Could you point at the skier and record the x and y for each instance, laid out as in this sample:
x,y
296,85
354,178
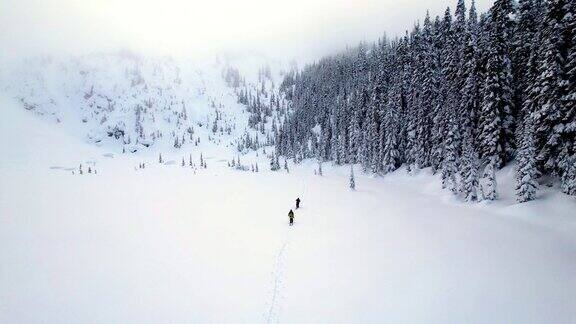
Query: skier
x,y
291,216
297,203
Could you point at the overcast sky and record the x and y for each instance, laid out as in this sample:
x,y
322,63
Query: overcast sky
x,y
295,28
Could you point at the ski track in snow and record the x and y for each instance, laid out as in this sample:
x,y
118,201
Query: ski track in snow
x,y
273,314
274,307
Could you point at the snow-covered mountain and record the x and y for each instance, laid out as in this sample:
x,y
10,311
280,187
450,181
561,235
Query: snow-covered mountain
x,y
133,102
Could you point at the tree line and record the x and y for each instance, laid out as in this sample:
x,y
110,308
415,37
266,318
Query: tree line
x,y
463,94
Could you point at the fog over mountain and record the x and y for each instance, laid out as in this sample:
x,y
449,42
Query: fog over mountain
x,y
299,28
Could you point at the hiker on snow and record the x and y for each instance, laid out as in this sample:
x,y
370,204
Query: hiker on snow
x,y
291,216
297,203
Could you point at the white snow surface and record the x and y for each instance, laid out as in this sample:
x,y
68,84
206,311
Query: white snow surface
x,y
171,244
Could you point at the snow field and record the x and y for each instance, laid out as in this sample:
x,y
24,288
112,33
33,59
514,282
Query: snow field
x,y
166,244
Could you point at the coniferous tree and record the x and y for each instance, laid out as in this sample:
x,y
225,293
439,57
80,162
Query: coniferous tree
x,y
496,119
568,158
438,114
449,165
488,185
525,34
569,175
391,146
526,168
469,174
274,163
553,108
470,94
456,94
352,181
428,95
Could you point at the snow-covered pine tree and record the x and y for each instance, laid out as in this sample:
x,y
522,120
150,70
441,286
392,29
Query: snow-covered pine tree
x,y
568,159
274,162
552,81
469,170
569,175
391,146
429,92
456,78
489,185
413,89
355,136
438,113
526,165
277,162
470,95
352,181
555,111
373,134
469,105
449,165
525,33
496,115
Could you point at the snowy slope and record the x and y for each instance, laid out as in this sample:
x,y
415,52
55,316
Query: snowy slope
x,y
172,244
130,102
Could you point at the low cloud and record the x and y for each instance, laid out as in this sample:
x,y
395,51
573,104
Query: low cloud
x,y
296,28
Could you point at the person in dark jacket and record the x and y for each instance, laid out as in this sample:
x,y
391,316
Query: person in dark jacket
x,y
297,203
291,216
